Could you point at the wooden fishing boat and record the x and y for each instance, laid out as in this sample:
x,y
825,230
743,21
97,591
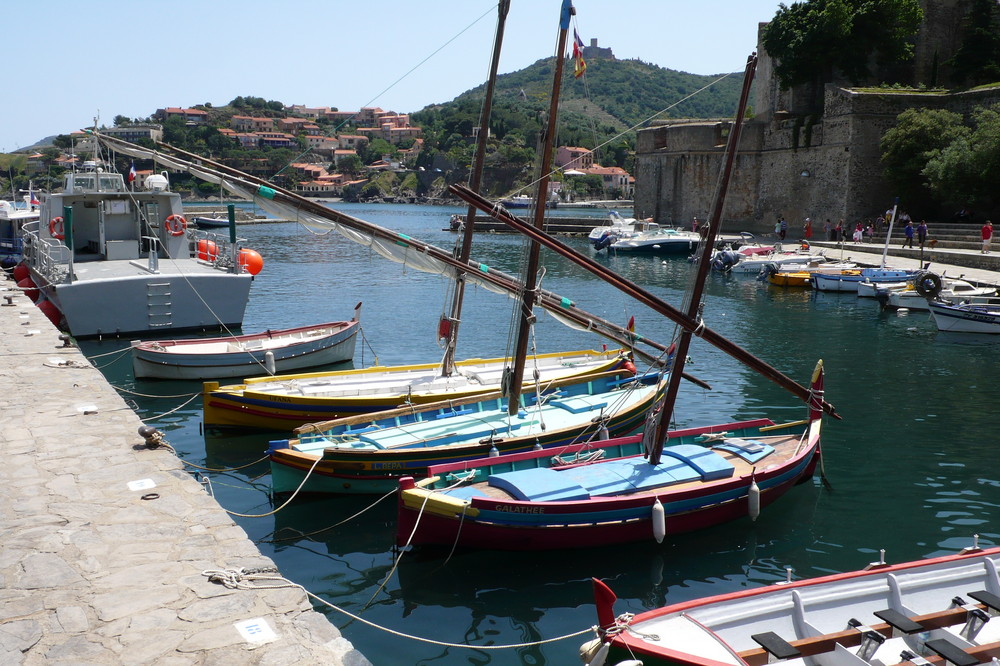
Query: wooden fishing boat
x,y
285,402
933,611
560,503
281,350
538,501
369,454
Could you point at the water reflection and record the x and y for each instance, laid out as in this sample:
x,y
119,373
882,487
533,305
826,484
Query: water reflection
x,y
910,465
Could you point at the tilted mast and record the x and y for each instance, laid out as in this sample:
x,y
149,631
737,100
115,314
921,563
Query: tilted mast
x,y
528,298
455,315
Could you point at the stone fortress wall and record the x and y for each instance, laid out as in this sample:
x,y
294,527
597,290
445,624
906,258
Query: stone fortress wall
x,y
793,162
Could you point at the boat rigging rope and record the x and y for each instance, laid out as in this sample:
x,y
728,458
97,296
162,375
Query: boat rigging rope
x,y
267,578
180,406
304,535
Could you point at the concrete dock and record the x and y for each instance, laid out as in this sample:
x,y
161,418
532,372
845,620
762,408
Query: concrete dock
x,y
104,541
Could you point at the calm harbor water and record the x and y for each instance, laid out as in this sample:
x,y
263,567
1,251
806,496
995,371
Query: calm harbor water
x,y
912,464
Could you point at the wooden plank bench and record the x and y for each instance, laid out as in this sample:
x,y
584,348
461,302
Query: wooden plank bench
x,y
852,638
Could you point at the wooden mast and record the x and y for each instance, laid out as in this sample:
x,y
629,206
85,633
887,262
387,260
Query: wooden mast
x,y
704,264
516,377
455,315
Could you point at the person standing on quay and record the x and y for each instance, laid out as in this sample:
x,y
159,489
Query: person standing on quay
x,y
828,229
807,229
987,233
908,230
783,227
922,232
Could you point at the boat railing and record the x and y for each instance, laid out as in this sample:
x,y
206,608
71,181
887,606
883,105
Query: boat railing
x,y
49,258
215,249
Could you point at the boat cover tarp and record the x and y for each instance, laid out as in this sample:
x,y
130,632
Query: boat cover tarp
x,y
685,462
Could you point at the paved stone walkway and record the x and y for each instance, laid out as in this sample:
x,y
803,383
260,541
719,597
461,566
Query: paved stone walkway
x,y
92,573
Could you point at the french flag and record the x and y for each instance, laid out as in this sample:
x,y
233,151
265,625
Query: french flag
x,y
32,199
131,173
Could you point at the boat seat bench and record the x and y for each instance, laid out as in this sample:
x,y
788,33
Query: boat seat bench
x,y
851,638
951,652
776,646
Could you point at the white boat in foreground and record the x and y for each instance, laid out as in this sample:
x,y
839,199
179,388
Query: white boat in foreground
x,y
925,612
246,355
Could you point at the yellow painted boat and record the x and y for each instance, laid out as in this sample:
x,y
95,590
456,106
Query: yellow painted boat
x,y
288,401
790,278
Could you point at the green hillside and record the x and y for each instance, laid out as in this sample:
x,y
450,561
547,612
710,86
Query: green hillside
x,y
600,110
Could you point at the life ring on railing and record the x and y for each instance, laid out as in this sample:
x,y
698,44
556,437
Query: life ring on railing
x,y
56,228
175,224
928,284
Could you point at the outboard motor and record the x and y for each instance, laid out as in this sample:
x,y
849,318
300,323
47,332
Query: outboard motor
x,y
767,271
724,260
606,239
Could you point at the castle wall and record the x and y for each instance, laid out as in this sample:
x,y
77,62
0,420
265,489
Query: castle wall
x,y
788,165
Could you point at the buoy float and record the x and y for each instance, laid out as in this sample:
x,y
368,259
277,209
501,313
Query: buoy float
x,y
207,250
753,500
250,261
56,228
269,362
176,225
50,310
20,272
659,522
30,288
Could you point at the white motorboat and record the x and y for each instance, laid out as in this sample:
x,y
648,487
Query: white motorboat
x,y
115,261
614,227
975,317
752,260
915,296
13,217
651,237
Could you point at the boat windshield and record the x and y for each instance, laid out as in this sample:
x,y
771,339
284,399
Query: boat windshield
x,y
94,182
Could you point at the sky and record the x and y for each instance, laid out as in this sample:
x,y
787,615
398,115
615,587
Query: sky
x,y
69,62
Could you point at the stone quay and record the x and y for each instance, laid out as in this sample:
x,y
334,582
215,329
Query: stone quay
x,y
104,541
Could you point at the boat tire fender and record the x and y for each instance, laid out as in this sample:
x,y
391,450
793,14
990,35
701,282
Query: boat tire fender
x,y
176,225
928,284
56,228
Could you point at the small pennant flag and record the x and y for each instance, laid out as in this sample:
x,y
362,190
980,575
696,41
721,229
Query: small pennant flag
x,y
579,66
631,324
131,173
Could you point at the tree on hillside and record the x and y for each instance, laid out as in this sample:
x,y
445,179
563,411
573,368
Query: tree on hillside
x,y
965,172
813,39
978,57
919,136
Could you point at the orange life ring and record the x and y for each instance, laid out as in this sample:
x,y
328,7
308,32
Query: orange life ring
x,y
56,228
176,224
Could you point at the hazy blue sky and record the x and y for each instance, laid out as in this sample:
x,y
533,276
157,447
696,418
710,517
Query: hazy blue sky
x,y
67,62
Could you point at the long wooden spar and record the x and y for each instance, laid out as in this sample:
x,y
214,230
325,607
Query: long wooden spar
x,y
635,291
552,302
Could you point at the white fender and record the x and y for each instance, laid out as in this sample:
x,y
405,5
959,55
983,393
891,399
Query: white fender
x,y
590,650
269,362
753,500
659,522
600,656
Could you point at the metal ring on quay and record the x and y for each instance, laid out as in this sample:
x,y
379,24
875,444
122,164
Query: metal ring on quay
x,y
150,496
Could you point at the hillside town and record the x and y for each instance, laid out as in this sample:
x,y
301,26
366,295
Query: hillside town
x,y
331,148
